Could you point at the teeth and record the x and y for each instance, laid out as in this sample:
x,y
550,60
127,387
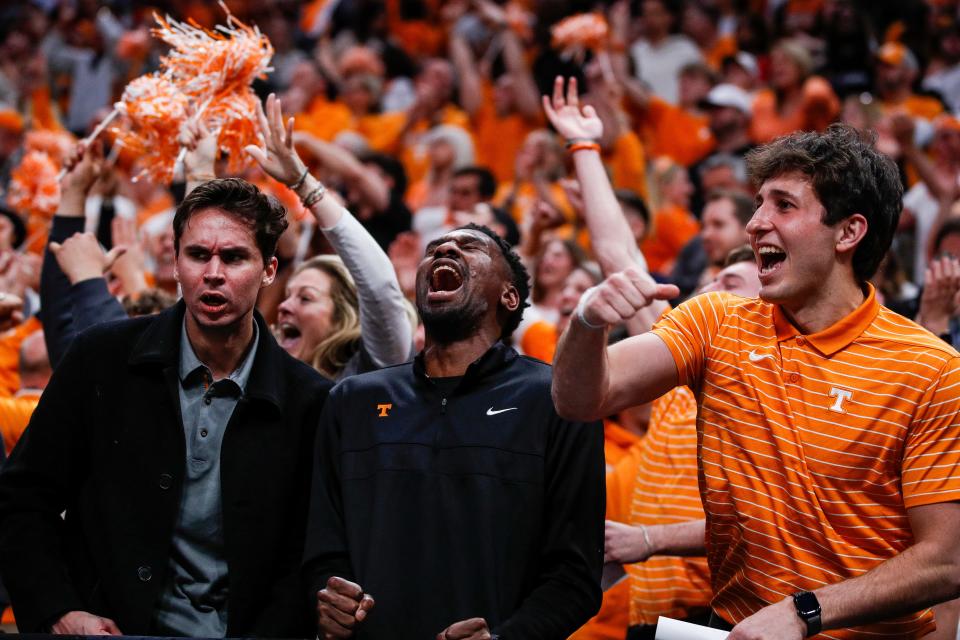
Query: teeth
x,y
444,267
768,250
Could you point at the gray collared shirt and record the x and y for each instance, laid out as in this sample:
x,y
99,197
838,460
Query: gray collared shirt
x,y
194,600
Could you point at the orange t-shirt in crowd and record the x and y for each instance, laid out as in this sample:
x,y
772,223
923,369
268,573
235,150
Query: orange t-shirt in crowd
x,y
668,130
627,164
814,447
673,227
820,107
724,47
10,343
499,138
324,119
15,415
916,106
611,620
540,341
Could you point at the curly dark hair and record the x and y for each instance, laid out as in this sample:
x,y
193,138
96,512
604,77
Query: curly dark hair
x,y
848,175
519,275
264,214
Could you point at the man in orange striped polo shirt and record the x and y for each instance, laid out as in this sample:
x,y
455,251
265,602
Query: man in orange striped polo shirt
x,y
829,437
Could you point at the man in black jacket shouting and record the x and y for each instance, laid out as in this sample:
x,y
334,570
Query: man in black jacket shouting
x,y
449,499
178,449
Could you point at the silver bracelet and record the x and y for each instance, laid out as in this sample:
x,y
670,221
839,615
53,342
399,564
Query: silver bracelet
x,y
314,196
587,324
303,176
646,540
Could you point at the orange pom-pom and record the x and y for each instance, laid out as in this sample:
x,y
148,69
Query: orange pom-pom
x,y
34,189
55,143
582,31
155,110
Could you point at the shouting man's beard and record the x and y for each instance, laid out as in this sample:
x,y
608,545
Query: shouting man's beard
x,y
452,324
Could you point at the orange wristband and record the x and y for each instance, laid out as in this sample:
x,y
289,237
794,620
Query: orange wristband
x,y
580,146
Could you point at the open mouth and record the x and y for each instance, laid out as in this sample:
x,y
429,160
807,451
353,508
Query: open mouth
x,y
445,281
770,258
289,336
213,301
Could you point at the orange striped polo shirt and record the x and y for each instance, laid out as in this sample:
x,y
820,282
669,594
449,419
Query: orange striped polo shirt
x,y
657,484
813,447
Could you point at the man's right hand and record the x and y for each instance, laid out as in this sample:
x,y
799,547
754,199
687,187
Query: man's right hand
x,y
83,167
340,607
620,296
81,623
81,258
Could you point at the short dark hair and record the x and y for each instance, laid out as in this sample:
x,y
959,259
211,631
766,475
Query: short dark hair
x,y
519,276
390,166
743,206
632,199
486,183
264,214
743,253
848,176
951,226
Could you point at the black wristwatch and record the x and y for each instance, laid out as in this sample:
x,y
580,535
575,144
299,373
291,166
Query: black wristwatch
x,y
808,608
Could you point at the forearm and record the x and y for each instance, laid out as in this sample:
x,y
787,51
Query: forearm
x,y
610,235
58,323
468,77
580,372
921,576
384,324
679,539
927,171
525,89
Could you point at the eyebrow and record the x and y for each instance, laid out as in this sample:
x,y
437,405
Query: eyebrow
x,y
780,193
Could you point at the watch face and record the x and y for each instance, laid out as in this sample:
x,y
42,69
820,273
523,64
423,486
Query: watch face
x,y
806,603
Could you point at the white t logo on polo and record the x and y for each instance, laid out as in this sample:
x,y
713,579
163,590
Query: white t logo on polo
x,y
757,357
491,412
842,395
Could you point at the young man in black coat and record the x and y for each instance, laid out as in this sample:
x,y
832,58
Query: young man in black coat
x,y
448,491
178,449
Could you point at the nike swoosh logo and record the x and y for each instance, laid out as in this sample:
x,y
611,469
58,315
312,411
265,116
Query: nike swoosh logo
x,y
491,412
757,357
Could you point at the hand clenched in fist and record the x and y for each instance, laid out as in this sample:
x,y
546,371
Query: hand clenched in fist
x,y
620,296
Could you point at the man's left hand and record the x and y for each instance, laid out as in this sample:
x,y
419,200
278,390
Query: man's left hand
x,y
472,629
775,622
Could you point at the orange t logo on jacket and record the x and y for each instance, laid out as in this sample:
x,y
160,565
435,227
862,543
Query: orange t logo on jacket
x,y
383,409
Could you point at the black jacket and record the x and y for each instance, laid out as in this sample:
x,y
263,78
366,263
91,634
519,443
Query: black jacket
x,y
106,445
481,504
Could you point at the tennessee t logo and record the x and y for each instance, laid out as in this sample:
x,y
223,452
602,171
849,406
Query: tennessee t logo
x,y
842,395
384,410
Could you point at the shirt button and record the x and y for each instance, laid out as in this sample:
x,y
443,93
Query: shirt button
x,y
144,573
794,377
166,481
203,433
207,400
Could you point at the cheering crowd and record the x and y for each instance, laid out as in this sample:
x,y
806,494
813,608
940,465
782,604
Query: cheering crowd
x,y
295,382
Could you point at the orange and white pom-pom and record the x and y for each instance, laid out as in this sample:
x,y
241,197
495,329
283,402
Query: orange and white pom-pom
x,y
582,31
34,189
234,118
155,109
55,143
206,63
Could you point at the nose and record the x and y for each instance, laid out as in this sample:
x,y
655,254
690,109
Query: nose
x,y
214,270
759,222
287,305
446,249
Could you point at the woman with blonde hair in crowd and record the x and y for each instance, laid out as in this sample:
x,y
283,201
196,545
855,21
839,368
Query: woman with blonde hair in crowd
x,y
796,100
673,224
342,314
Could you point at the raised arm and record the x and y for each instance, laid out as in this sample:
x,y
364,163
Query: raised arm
x,y
372,188
468,75
384,325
